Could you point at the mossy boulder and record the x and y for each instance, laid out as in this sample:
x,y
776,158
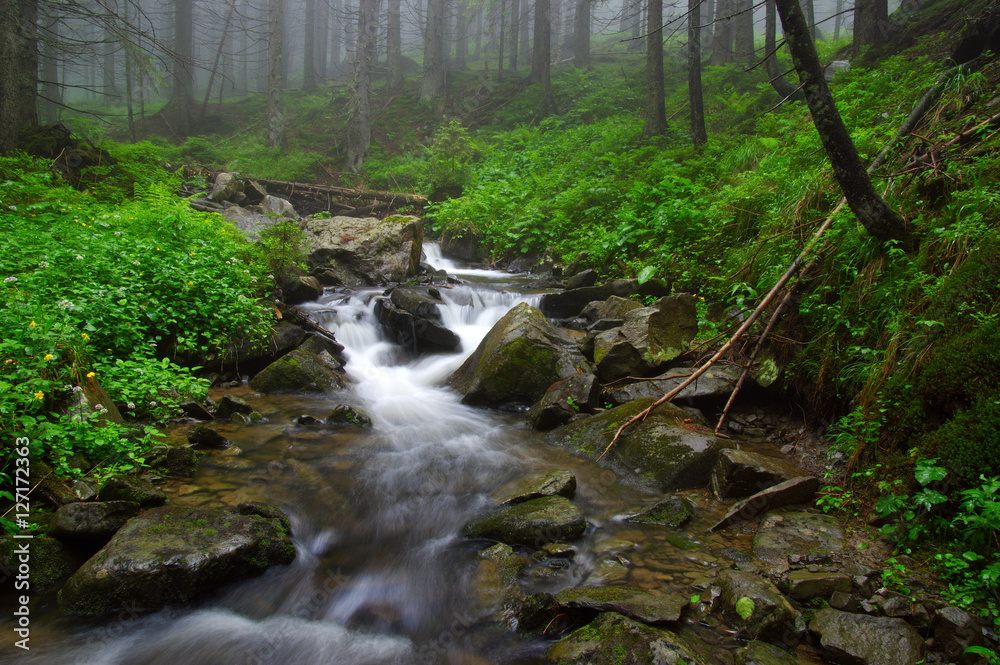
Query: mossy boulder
x,y
496,592
131,488
612,639
91,522
740,473
533,523
168,556
365,251
762,653
645,606
563,400
557,482
672,511
859,638
570,303
756,607
517,361
344,414
662,451
309,368
714,385
51,560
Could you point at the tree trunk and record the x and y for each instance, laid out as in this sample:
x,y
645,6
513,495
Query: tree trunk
x,y
433,83
18,70
837,20
309,47
581,34
462,35
322,38
50,92
350,25
336,30
542,55
722,43
359,132
655,119
275,58
870,19
555,27
477,52
526,22
778,81
110,45
871,210
743,32
515,33
394,49
698,133
181,104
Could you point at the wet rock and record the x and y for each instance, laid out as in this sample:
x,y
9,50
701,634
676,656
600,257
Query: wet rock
x,y
517,361
762,653
130,488
309,368
181,461
672,511
858,638
300,288
716,383
782,534
225,188
581,279
344,414
192,409
740,473
206,437
412,320
533,523
230,404
251,355
610,309
805,585
496,593
578,263
51,560
251,220
614,639
649,336
559,482
616,357
462,245
955,630
637,604
47,484
94,522
537,612
168,556
563,400
609,570
788,493
756,607
84,491
275,206
568,304
661,451
365,251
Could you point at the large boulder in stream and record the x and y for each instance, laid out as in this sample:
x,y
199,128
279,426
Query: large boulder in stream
x,y
569,303
547,519
410,316
715,384
866,640
169,556
517,361
612,639
756,607
662,451
312,367
364,251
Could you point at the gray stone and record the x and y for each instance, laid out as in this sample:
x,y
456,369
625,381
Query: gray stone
x,y
558,482
275,206
420,330
866,640
250,221
614,639
251,355
569,303
717,382
645,606
740,473
672,511
301,288
756,607
365,251
309,368
168,556
563,400
805,585
785,533
662,451
206,437
533,523
226,186
614,307
649,337
762,653
788,493
955,630
581,279
95,521
130,488
517,361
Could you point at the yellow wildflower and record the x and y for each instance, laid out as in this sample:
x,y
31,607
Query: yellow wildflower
x,y
91,375
32,325
85,336
39,395
48,356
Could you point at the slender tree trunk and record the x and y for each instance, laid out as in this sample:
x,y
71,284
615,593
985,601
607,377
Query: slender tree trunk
x,y
655,121
359,132
555,36
810,11
525,37
870,19
462,35
743,32
778,81
542,55
698,133
707,36
275,57
309,47
879,219
50,92
433,83
722,43
837,20
18,70
394,48
350,24
322,38
336,30
110,45
502,39
515,33
635,27
181,102
477,52
581,34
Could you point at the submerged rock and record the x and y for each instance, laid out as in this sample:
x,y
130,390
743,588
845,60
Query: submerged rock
x,y
762,653
533,523
559,482
365,251
868,640
612,639
517,361
206,437
663,451
344,414
168,556
496,593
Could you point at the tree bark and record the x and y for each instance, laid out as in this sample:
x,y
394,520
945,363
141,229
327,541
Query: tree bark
x,y
655,119
541,56
433,83
515,33
50,92
336,30
110,45
810,11
778,80
462,35
743,32
322,38
870,20
722,43
394,48
525,38
581,34
359,132
18,70
275,60
871,210
698,134
181,104
837,21
309,47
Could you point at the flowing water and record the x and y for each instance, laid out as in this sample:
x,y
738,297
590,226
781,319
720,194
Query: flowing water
x,y
382,574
